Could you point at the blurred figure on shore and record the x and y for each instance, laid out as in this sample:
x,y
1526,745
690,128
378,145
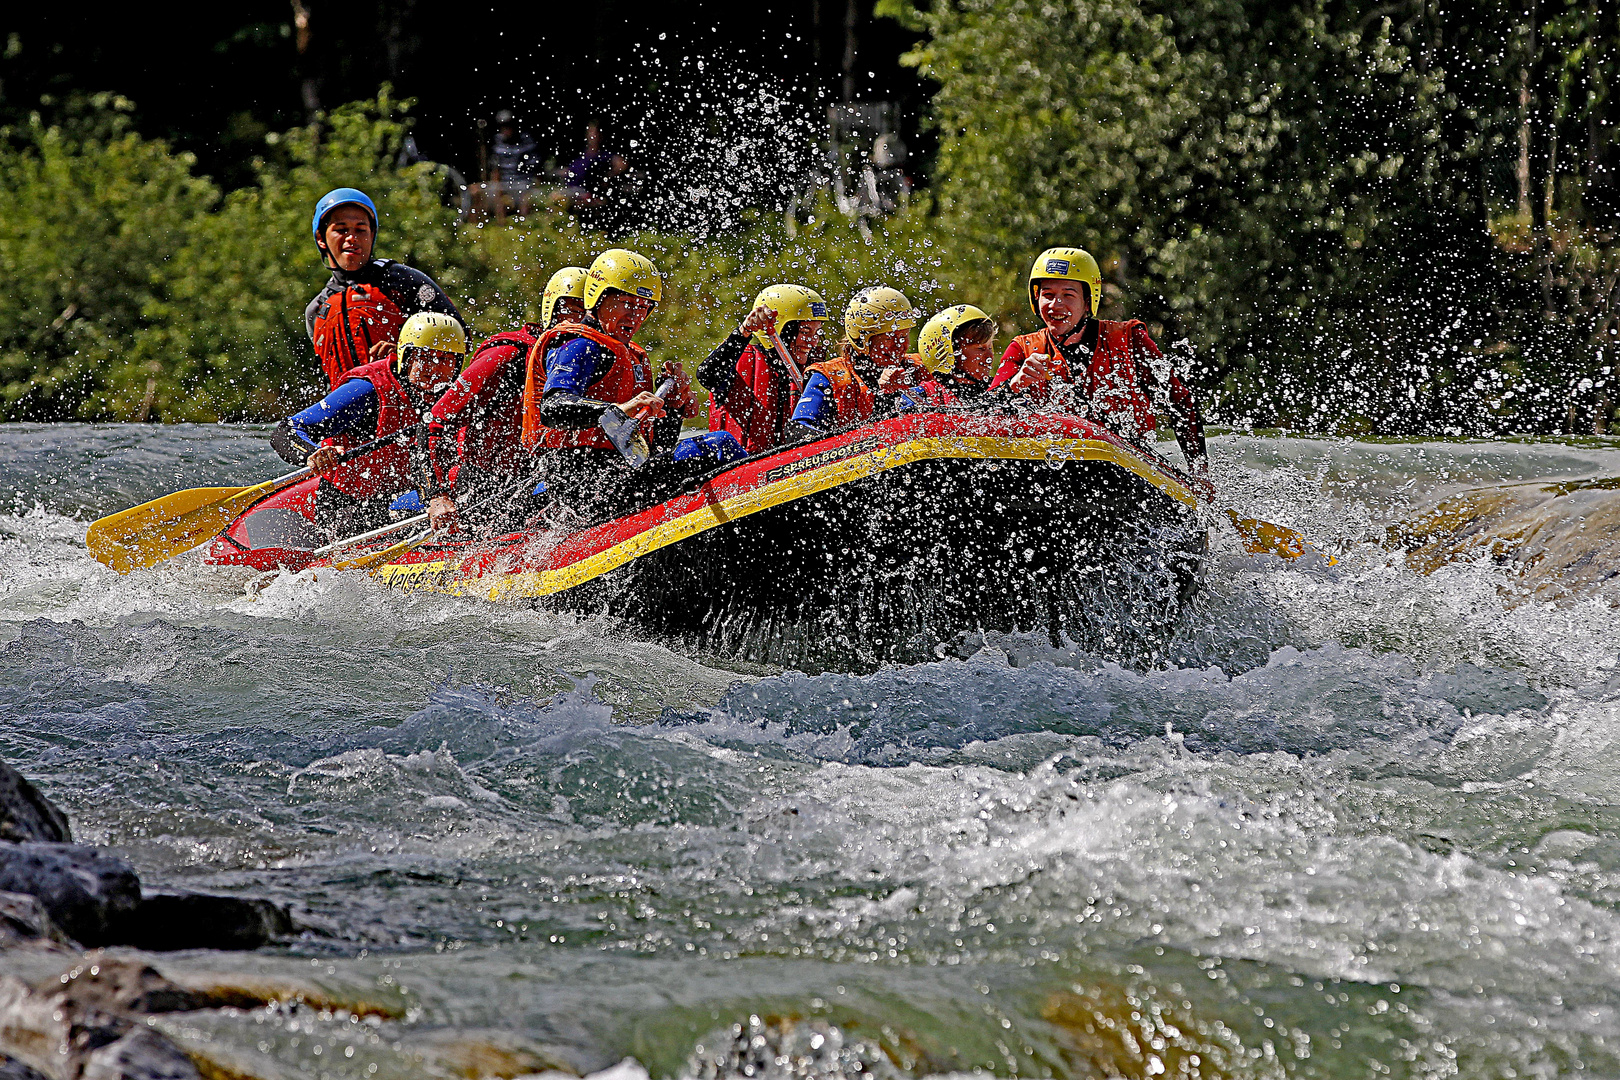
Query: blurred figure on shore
x,y
591,182
514,162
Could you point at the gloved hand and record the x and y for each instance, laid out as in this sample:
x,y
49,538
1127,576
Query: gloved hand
x,y
679,400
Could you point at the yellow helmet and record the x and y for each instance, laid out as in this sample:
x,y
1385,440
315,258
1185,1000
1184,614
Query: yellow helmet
x,y
936,345
430,330
877,310
1066,264
569,281
792,303
624,270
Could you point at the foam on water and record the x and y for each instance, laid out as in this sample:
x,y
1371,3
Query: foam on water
x,y
1361,821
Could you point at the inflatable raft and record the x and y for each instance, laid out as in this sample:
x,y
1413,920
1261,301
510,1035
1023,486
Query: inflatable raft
x,y
885,543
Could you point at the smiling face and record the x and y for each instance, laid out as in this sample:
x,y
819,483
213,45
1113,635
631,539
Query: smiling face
x,y
1061,304
806,336
348,236
885,350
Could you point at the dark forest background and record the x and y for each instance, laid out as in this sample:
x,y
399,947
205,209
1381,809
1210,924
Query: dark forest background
x,y
1342,215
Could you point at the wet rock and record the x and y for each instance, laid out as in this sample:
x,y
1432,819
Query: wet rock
x,y
24,920
1561,540
141,1054
88,893
488,1054
168,921
12,1069
108,984
82,1025
27,815
47,1035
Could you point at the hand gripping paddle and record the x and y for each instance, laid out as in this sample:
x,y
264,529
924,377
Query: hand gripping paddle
x,y
625,433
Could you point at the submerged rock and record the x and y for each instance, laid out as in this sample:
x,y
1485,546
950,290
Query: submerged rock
x,y
141,1054
108,984
90,894
26,815
1562,540
84,1024
12,1069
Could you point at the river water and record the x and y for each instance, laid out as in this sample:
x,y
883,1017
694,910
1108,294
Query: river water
x,y
1362,823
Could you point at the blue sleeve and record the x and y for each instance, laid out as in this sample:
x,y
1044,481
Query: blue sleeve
x,y
904,402
815,401
574,365
352,405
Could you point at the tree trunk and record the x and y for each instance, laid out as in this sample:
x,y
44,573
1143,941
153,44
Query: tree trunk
x,y
850,17
1522,172
309,85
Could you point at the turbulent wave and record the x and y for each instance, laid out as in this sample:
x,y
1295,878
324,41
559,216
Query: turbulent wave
x,y
1350,820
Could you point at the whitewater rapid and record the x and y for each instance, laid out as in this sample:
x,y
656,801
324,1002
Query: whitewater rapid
x,y
1362,821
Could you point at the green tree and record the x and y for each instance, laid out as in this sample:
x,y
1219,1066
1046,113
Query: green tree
x,y
92,213
227,337
1272,183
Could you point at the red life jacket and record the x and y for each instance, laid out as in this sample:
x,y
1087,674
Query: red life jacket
x,y
386,470
349,324
1112,383
759,404
853,400
489,427
629,375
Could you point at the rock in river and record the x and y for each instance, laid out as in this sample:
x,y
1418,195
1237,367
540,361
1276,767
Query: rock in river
x,y
25,814
91,895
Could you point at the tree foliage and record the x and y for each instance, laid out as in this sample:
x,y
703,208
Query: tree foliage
x,y
92,211
1299,190
133,290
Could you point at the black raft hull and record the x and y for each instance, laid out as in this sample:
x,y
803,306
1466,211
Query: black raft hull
x,y
897,542
920,560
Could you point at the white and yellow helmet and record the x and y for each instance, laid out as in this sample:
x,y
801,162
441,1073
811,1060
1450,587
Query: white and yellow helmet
x,y
877,310
429,330
792,303
1066,264
936,345
569,281
617,268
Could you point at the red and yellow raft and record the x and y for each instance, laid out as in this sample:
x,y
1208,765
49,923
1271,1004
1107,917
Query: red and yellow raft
x,y
880,543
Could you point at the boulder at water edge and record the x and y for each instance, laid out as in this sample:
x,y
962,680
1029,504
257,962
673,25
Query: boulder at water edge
x,y
25,814
91,895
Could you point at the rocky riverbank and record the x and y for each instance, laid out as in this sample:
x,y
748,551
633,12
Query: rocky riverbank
x,y
58,898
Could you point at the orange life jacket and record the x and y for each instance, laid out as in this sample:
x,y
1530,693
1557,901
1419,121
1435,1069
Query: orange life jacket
x,y
630,375
1112,382
349,324
853,400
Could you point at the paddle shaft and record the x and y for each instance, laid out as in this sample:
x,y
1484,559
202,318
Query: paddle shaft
x,y
795,376
338,545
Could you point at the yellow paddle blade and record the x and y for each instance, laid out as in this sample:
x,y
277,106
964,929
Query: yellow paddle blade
x,y
147,534
1266,538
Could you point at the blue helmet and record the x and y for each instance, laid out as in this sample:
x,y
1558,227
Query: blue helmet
x,y
343,196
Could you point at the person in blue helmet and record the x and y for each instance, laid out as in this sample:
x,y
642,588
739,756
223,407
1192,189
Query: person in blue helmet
x,y
357,316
